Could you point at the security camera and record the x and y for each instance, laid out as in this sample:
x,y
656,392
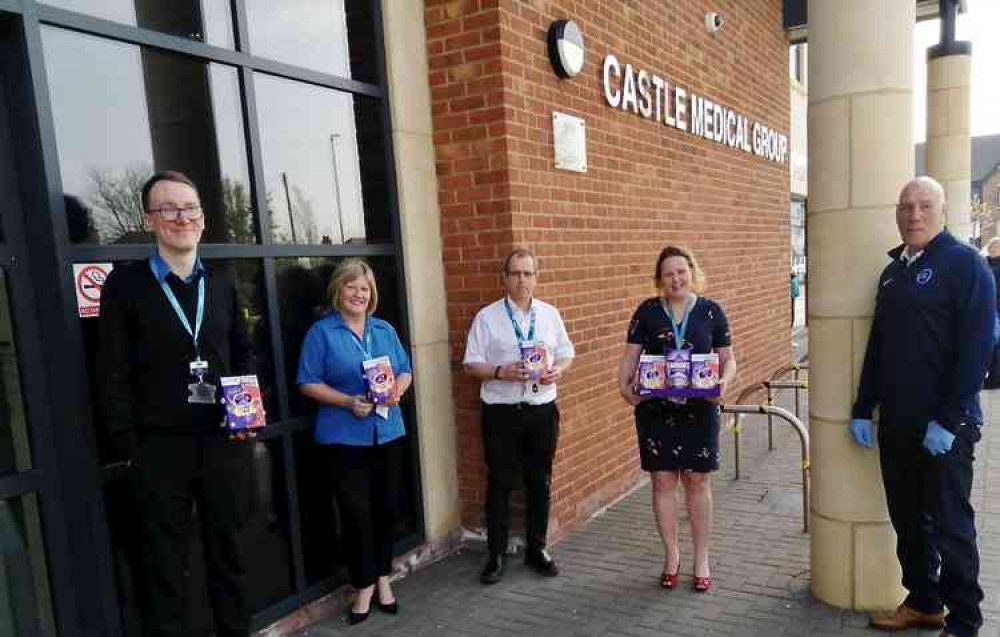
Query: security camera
x,y
714,22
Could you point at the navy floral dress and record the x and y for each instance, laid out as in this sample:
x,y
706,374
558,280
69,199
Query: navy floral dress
x,y
678,436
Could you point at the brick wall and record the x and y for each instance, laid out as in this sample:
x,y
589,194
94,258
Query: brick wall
x,y
598,233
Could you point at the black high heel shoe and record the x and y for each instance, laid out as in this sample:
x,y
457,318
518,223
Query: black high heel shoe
x,y
356,618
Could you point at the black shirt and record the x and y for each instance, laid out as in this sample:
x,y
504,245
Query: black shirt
x,y
707,328
144,352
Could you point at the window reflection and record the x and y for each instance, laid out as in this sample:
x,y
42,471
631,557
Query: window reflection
x,y
206,21
158,111
323,164
15,443
330,36
25,599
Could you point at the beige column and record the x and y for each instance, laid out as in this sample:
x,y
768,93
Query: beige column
x,y
406,59
949,145
860,154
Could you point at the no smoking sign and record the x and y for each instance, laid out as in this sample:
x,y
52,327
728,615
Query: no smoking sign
x,y
89,280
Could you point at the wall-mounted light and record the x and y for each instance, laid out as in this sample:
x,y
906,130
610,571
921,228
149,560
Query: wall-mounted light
x,y
566,48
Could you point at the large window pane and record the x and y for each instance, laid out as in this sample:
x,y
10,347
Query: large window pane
x,y
324,166
155,111
330,36
15,443
25,599
208,21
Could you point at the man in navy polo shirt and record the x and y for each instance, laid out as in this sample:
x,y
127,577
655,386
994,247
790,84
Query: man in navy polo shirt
x,y
928,352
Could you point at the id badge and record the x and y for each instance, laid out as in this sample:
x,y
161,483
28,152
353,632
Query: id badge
x,y
198,367
201,393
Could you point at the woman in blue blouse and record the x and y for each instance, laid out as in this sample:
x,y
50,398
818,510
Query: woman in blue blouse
x,y
364,441
679,440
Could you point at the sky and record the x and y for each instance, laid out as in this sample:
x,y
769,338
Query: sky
x,y
981,26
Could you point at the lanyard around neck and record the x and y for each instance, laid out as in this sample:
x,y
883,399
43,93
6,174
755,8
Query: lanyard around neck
x,y
517,328
199,315
364,342
679,330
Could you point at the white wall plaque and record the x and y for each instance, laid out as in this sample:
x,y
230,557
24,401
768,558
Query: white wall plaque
x,y
570,137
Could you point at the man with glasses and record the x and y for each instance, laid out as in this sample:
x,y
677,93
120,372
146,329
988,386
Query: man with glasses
x,y
930,345
518,348
170,328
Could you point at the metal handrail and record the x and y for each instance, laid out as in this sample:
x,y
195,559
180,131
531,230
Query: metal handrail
x,y
742,400
781,384
800,429
796,369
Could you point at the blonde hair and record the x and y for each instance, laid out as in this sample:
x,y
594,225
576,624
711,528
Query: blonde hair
x,y
698,280
348,270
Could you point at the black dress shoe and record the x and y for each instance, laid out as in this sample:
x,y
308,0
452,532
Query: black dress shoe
x,y
541,561
392,607
493,571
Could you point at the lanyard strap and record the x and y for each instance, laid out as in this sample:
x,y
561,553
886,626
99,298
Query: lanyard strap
x,y
517,328
364,344
200,314
679,330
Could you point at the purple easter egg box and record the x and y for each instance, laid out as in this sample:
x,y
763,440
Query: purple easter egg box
x,y
535,358
379,379
244,403
652,375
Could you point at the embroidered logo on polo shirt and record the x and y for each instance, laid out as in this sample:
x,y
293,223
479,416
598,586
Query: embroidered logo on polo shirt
x,y
924,276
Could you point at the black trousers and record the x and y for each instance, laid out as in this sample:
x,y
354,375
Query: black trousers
x,y
928,499
366,483
171,473
524,435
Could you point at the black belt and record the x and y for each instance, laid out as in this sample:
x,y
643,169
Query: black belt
x,y
520,406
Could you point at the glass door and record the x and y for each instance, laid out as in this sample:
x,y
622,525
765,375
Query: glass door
x,y
25,594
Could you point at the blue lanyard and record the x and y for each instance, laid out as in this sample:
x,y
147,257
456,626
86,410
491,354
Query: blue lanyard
x,y
517,328
364,344
680,330
182,316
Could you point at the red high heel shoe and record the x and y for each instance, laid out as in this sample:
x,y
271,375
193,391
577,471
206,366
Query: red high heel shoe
x,y
668,580
702,584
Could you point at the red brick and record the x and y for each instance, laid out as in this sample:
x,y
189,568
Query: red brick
x,y
597,234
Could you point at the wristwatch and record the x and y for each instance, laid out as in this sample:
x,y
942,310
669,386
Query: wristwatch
x,y
496,372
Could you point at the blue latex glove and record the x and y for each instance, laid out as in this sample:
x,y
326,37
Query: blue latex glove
x,y
938,440
861,431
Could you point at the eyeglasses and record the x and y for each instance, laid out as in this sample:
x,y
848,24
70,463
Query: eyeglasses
x,y
923,206
521,273
170,213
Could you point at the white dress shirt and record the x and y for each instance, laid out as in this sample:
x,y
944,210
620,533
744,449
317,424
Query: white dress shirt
x,y
492,340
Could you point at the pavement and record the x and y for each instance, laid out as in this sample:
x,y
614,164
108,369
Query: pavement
x,y
609,583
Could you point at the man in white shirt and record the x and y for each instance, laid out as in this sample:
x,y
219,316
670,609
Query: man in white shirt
x,y
519,414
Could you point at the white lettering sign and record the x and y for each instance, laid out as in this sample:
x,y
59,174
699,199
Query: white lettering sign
x,y
654,97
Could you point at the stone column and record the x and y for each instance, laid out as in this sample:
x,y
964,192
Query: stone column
x,y
860,155
949,145
406,62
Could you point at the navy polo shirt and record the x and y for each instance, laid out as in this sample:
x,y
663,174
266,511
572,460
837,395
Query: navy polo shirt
x,y
332,355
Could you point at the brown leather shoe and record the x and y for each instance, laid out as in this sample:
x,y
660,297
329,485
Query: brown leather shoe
x,y
905,617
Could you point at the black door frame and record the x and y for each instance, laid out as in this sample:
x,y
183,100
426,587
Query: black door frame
x,y
68,476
